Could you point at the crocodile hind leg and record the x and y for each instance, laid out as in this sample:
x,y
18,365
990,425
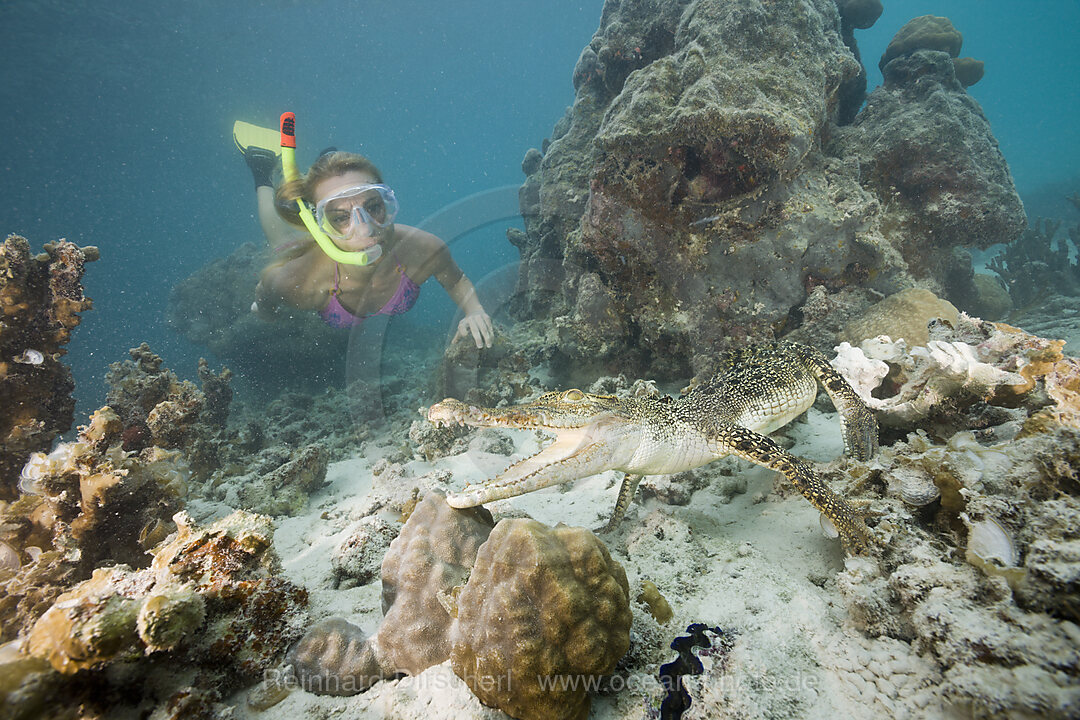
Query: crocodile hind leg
x,y
759,449
857,421
626,496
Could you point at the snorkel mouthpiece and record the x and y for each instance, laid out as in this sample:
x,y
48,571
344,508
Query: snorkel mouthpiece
x,y
291,172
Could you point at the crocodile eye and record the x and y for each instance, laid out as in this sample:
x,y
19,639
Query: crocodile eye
x,y
573,395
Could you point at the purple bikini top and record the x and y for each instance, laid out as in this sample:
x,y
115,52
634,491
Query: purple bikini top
x,y
401,301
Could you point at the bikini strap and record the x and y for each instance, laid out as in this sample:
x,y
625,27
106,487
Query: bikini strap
x,y
335,291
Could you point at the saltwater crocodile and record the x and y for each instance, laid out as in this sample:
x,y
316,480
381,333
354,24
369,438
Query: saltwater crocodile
x,y
757,390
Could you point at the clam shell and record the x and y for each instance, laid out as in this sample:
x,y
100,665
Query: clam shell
x,y
915,488
30,357
989,544
827,527
9,557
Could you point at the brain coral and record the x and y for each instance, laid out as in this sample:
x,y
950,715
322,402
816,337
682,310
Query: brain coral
x,y
902,315
542,604
431,555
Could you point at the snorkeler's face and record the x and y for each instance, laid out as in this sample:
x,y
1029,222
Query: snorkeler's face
x,y
353,208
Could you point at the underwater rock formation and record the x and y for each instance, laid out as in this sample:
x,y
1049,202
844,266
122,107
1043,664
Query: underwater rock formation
x,y
212,308
509,606
700,189
924,144
40,300
211,603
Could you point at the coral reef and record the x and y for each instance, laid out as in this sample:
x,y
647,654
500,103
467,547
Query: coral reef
x,y
509,606
156,408
87,503
210,601
703,186
41,297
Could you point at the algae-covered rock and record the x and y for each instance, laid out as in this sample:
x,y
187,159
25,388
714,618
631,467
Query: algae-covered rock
x,y
925,143
710,177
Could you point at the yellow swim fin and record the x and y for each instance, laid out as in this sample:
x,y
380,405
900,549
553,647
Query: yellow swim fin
x,y
246,135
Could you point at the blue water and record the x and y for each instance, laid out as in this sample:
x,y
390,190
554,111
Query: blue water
x,y
119,114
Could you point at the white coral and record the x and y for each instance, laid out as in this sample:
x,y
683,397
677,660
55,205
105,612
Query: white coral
x,y
926,375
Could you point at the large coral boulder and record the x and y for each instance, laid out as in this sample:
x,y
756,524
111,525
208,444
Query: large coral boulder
x,y
541,605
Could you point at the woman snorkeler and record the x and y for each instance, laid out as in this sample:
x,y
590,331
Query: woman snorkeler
x,y
356,212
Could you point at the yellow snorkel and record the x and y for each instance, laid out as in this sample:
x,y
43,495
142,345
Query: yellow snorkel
x,y
290,172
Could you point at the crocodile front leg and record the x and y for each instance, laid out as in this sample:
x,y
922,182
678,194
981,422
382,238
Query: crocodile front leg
x,y
626,496
857,421
761,450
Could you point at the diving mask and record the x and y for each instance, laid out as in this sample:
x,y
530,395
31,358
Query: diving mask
x,y
347,210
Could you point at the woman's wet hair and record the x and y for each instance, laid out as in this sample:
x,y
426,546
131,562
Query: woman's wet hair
x,y
327,165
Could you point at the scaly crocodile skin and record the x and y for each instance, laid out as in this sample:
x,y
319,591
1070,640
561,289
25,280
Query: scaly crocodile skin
x,y
759,389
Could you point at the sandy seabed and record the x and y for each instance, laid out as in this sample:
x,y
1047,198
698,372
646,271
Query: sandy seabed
x,y
755,563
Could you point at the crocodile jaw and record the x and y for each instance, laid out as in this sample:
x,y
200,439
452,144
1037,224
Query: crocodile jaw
x,y
577,452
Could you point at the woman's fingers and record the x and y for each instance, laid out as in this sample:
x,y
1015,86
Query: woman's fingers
x,y
479,326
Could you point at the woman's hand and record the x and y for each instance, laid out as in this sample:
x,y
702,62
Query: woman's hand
x,y
478,324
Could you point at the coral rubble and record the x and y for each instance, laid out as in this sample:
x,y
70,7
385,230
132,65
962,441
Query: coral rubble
x,y
210,601
41,297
